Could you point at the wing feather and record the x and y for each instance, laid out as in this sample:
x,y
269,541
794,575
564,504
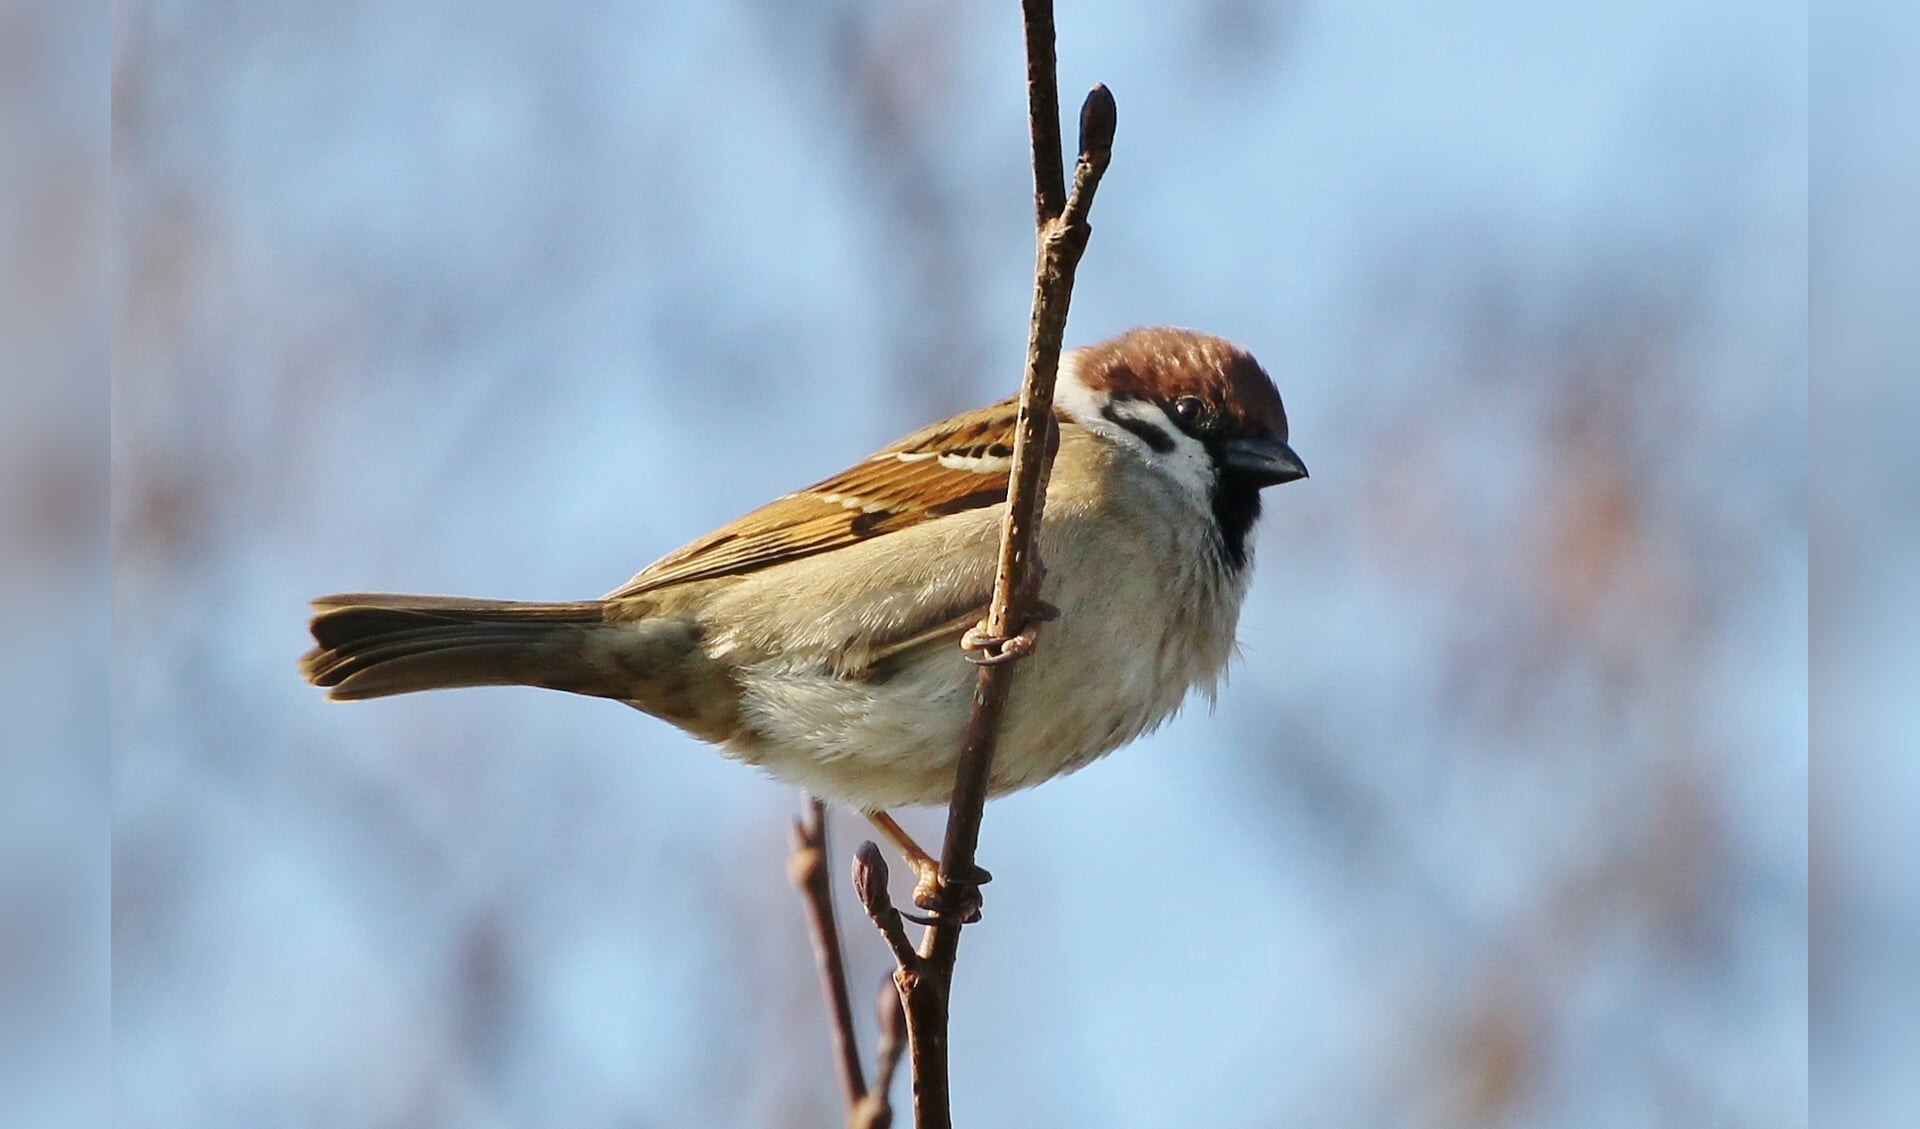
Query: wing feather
x,y
959,464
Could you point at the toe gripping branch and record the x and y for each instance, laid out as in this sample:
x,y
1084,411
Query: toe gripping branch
x,y
983,648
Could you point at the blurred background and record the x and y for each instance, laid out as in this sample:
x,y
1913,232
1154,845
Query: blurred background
x,y
1502,819
1865,914
54,575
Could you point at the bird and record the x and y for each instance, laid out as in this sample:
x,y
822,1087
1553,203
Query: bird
x,y
828,637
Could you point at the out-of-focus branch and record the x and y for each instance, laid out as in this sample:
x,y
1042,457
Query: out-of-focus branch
x,y
807,867
892,1014
865,1107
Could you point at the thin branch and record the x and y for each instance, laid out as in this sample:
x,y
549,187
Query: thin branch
x,y
876,1111
925,977
1016,587
870,882
1043,112
807,867
911,994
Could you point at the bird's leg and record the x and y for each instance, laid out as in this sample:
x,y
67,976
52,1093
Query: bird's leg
x,y
926,868
960,898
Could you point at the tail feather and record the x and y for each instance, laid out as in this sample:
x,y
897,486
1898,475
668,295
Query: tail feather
x,y
373,645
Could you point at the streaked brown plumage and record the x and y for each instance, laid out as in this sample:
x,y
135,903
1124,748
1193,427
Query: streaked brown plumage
x,y
818,635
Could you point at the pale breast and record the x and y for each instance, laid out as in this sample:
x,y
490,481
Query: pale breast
x,y
1144,618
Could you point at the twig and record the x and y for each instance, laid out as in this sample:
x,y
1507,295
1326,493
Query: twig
x,y
914,1010
893,1043
925,977
870,882
1043,112
921,991
1016,582
807,867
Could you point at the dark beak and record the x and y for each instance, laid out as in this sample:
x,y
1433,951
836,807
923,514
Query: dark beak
x,y
1265,460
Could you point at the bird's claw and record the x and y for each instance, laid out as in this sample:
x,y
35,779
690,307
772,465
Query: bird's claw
x,y
947,902
983,648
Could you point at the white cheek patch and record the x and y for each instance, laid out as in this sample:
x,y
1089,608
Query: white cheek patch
x,y
1187,462
1075,398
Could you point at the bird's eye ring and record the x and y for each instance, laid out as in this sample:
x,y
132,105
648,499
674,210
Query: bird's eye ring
x,y
1190,410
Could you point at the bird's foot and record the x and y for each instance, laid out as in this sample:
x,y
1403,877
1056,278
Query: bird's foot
x,y
983,648
954,901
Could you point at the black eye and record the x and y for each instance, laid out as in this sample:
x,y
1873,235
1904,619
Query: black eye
x,y
1190,410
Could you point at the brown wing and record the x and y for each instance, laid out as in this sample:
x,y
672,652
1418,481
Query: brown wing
x,y
959,464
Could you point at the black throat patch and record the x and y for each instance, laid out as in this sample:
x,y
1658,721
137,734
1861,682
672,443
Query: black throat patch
x,y
1236,506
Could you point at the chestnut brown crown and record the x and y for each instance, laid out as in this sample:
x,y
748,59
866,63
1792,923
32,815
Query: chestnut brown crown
x,y
1163,364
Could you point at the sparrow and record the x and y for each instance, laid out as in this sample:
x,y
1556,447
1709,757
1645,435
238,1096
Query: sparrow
x,y
821,636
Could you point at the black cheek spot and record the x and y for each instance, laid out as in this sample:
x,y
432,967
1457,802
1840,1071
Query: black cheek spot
x,y
1155,438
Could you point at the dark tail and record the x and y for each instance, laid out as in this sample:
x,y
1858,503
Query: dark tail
x,y
370,646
